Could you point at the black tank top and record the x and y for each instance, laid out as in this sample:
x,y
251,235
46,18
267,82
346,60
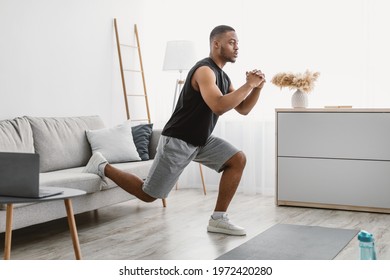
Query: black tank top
x,y
193,121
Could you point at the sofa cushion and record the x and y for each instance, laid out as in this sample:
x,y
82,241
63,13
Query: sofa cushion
x,y
154,139
16,136
141,135
61,142
115,143
71,178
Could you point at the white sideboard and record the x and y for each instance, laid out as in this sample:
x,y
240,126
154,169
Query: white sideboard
x,y
333,158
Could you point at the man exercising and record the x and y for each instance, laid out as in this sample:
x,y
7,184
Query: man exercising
x,y
187,136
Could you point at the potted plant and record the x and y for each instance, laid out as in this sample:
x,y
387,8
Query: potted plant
x,y
302,83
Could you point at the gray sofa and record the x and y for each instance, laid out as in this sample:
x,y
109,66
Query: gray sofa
x,y
64,151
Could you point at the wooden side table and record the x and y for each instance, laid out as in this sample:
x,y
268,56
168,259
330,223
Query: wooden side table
x,y
65,196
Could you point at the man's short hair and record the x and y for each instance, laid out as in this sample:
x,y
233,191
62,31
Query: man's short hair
x,y
218,30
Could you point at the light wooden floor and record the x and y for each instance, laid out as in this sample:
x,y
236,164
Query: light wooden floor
x,y
136,230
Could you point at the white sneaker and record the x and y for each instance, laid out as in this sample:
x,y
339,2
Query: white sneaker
x,y
224,225
93,164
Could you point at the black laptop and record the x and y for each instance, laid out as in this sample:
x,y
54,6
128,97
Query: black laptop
x,y
19,176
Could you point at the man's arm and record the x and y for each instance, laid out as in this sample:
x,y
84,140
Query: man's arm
x,y
250,101
204,80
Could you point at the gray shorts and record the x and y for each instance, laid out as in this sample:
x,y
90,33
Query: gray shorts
x,y
173,155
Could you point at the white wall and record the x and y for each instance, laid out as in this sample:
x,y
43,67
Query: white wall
x,y
58,58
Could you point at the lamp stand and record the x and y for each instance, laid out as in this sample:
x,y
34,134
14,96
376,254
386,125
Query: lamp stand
x,y
178,87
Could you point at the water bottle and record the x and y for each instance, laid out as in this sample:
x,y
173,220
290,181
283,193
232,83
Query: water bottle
x,y
367,245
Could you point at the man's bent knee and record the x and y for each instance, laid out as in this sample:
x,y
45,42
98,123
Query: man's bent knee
x,y
238,160
241,158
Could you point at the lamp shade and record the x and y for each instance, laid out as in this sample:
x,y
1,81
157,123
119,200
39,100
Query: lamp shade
x,y
179,55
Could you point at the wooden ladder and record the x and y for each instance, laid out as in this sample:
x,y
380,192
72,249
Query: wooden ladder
x,y
141,71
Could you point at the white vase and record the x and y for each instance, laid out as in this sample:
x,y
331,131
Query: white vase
x,y
299,99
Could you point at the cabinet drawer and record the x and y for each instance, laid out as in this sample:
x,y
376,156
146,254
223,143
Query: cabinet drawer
x,y
329,181
349,135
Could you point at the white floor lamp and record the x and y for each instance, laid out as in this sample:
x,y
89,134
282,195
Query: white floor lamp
x,y
180,56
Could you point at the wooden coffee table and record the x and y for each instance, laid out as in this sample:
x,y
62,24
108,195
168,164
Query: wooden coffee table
x,y
65,196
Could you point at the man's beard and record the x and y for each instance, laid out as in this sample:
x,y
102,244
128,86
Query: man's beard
x,y
227,57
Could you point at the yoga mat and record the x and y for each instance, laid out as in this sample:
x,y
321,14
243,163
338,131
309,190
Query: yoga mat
x,y
293,242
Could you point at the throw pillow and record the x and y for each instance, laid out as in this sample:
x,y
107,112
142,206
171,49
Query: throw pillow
x,y
116,144
141,135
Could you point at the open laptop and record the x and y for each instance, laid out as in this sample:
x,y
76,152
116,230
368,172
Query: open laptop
x,y
19,176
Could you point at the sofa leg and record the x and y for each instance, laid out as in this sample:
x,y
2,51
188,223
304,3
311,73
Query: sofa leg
x,y
164,202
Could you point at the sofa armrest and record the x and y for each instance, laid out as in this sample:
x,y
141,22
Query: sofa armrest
x,y
155,137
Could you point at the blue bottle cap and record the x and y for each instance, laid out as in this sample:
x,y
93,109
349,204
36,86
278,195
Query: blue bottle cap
x,y
365,236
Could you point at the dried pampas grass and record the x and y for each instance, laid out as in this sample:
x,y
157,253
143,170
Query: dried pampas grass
x,y
303,82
